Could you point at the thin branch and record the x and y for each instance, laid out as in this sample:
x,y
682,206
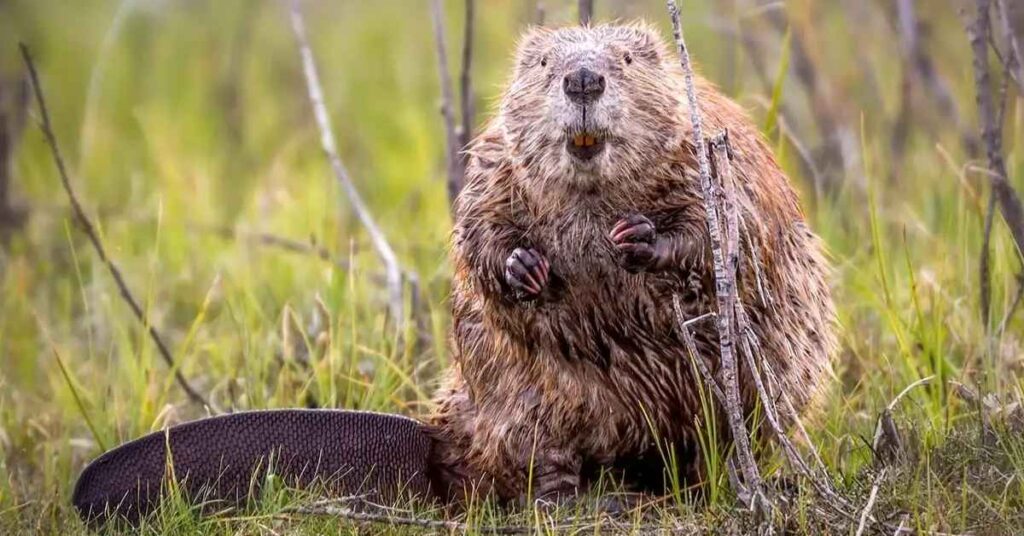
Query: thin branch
x,y
684,331
866,513
978,33
539,14
377,238
725,282
94,238
747,339
586,11
455,171
466,78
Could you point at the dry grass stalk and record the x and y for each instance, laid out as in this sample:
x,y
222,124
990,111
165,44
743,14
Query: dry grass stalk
x,y
316,97
90,231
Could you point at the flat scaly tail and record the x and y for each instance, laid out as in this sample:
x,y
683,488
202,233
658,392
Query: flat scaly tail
x,y
222,459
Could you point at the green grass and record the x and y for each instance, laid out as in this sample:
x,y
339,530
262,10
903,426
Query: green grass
x,y
193,115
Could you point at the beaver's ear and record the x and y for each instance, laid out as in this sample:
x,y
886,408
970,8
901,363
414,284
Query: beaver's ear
x,y
645,41
533,44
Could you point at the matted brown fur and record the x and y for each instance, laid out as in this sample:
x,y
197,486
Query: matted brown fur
x,y
591,372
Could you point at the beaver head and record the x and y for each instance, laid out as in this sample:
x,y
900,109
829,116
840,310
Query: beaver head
x,y
589,107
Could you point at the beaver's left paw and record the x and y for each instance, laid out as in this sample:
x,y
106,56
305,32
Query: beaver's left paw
x,y
635,239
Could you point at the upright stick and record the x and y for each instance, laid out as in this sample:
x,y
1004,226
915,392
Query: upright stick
x,y
316,98
455,171
725,283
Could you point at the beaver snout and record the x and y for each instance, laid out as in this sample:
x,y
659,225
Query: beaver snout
x,y
583,86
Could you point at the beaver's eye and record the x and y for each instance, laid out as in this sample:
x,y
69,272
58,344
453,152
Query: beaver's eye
x,y
544,61
629,58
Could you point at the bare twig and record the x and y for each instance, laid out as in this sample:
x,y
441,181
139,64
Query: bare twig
x,y
684,331
821,482
586,11
466,79
978,32
866,513
94,238
377,238
539,14
455,171
738,328
725,288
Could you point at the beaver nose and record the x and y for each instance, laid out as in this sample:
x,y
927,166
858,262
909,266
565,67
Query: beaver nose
x,y
583,85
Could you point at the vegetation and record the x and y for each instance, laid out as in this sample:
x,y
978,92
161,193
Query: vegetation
x,y
192,146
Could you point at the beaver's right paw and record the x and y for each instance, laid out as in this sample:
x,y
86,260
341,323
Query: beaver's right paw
x,y
526,271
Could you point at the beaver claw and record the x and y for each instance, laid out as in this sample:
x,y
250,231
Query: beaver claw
x,y
635,238
526,271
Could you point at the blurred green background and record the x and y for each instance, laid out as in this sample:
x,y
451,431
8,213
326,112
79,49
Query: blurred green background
x,y
187,129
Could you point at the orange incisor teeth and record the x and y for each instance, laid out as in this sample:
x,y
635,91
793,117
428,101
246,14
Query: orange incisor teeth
x,y
589,141
578,140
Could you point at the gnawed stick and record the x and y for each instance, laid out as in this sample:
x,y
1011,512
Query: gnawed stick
x,y
725,282
316,98
90,231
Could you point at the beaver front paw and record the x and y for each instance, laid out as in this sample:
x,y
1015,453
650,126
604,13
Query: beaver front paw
x,y
527,271
635,239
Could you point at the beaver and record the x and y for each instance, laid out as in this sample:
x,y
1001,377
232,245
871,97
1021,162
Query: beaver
x,y
580,219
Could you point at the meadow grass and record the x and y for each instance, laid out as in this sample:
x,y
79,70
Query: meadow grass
x,y
180,118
